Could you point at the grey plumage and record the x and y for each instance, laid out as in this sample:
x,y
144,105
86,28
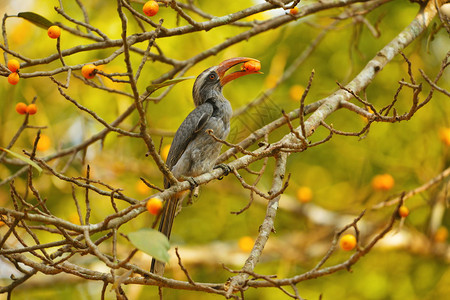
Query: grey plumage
x,y
193,151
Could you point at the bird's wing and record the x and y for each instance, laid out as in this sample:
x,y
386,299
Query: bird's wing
x,y
187,131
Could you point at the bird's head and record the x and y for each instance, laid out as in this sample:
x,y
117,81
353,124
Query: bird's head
x,y
211,81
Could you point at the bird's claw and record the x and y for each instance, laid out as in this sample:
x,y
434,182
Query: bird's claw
x,y
192,182
193,189
226,170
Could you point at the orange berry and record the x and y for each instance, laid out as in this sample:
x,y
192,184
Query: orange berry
x,y
441,234
54,32
444,134
347,242
13,78
251,66
296,92
31,109
154,206
370,111
383,182
165,152
21,108
294,11
142,188
150,8
89,71
246,243
13,65
74,218
403,211
44,143
304,194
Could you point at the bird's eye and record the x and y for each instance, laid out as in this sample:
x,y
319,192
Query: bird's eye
x,y
212,76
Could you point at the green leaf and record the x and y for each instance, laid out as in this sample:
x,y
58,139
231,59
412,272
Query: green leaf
x,y
153,87
152,242
23,158
36,19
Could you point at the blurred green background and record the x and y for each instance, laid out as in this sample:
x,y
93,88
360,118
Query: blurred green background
x,y
339,172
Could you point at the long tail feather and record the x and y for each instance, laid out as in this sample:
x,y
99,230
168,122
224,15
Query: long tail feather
x,y
165,227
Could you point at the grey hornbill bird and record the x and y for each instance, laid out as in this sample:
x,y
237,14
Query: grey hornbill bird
x,y
193,151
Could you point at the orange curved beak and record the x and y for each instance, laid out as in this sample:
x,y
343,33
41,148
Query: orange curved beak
x,y
224,66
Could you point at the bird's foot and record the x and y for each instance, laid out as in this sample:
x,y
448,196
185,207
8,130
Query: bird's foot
x,y
191,181
193,189
226,170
